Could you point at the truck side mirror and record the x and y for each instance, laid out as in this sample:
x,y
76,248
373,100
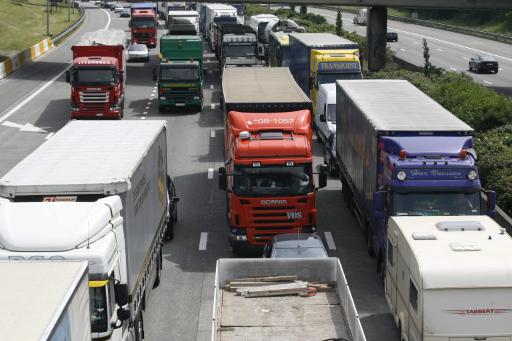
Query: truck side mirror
x,y
223,182
123,314
322,176
322,118
68,77
491,203
121,294
154,74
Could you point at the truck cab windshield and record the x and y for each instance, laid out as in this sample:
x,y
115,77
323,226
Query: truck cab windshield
x,y
326,78
273,180
143,23
94,76
232,50
180,72
436,204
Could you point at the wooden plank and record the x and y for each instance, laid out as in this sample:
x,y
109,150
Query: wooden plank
x,y
274,290
297,333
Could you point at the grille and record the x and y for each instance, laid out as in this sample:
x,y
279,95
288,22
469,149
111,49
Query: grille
x,y
278,216
143,35
93,97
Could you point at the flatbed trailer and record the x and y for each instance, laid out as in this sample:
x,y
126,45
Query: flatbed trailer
x,y
325,315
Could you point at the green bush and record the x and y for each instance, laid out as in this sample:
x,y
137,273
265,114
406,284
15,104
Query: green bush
x,y
494,150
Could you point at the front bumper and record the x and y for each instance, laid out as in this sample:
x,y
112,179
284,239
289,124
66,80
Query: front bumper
x,y
97,115
181,100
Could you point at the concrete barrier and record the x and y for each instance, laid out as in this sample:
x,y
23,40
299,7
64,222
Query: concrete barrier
x,y
13,63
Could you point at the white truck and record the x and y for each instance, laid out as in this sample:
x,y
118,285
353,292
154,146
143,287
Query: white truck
x,y
217,13
96,191
449,278
259,23
183,22
44,301
329,314
361,17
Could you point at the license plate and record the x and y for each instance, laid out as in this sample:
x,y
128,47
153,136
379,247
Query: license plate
x,y
180,104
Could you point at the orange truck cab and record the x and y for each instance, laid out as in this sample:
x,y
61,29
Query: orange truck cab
x,y
268,173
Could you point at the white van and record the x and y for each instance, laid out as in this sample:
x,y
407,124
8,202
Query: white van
x,y
449,278
325,122
361,17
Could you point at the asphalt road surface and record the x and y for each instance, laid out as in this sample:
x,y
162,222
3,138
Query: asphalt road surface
x,y
34,104
448,50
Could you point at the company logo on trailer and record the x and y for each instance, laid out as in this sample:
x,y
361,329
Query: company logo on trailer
x,y
478,311
274,202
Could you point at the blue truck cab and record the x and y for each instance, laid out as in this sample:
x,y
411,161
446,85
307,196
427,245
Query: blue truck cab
x,y
400,153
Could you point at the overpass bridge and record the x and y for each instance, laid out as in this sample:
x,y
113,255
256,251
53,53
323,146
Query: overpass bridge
x,y
378,16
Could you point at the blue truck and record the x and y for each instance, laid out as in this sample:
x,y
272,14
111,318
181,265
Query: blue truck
x,y
144,5
400,153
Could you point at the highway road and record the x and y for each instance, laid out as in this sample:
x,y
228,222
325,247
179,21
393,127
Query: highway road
x,y
34,104
448,50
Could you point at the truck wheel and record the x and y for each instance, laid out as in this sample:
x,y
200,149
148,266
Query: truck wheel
x,y
138,325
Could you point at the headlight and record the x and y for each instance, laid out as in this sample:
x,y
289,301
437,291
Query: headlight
x,y
472,175
242,238
197,97
401,175
114,107
162,98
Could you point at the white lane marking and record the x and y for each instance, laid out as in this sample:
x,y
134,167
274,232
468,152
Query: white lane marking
x,y
149,103
466,58
49,136
439,50
147,107
154,91
29,98
454,69
212,106
486,82
156,88
212,133
330,241
450,43
202,241
152,95
145,113
500,69
142,118
210,173
211,86
108,20
402,50
24,127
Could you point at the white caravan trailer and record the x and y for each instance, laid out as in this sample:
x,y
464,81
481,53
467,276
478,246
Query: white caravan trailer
x,y
449,278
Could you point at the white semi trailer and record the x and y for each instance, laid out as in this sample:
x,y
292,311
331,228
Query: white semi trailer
x,y
44,301
330,314
449,278
96,191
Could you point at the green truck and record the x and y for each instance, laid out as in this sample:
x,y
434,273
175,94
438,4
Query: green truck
x,y
180,74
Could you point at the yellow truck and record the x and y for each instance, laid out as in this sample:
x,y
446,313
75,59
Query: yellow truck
x,y
321,58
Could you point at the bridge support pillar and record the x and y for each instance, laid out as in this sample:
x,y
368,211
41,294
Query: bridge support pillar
x,y
376,27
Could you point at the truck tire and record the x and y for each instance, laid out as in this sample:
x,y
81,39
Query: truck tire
x,y
138,325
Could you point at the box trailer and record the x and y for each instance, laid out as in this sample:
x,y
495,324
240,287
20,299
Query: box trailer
x,y
449,278
108,180
399,152
44,301
330,314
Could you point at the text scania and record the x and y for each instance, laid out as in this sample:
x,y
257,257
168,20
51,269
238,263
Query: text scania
x,y
274,202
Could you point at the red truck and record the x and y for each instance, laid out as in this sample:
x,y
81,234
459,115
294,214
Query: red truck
x,y
98,75
268,176
144,27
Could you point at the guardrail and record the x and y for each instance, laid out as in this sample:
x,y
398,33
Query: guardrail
x,y
59,37
446,27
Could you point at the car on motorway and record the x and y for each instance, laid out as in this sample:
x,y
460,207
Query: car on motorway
x,y
125,13
97,2
112,5
295,245
391,36
118,9
483,63
138,52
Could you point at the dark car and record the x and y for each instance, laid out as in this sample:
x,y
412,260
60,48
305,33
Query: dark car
x,y
391,36
173,208
124,13
483,63
295,245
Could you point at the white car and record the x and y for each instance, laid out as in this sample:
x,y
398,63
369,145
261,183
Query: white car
x,y
325,121
118,9
138,52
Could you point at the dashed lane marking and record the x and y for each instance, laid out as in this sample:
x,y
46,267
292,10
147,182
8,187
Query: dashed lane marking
x,y
147,107
402,50
145,113
210,173
142,118
486,82
453,69
330,241
203,240
466,58
212,133
212,106
211,86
